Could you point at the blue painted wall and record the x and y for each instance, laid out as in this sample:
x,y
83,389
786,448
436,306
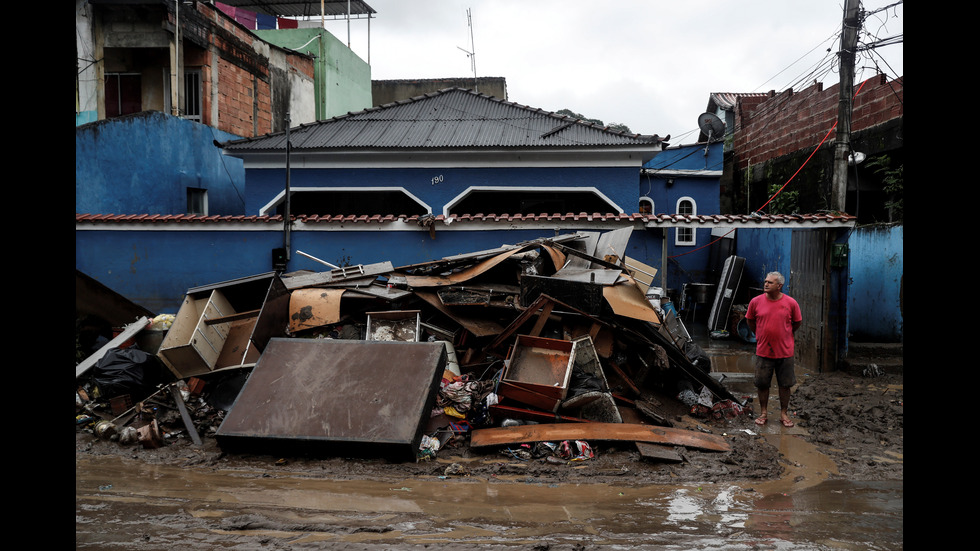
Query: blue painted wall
x,y
618,184
765,250
144,163
877,271
676,173
155,268
688,157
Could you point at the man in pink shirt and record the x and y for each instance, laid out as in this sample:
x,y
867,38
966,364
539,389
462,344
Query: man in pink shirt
x,y
774,318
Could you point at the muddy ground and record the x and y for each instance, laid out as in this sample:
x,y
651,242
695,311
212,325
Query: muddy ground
x,y
856,421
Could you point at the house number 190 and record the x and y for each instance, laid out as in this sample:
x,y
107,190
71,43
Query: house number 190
x,y
437,179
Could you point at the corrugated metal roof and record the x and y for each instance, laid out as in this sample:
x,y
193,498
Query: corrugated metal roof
x,y
727,100
331,8
450,118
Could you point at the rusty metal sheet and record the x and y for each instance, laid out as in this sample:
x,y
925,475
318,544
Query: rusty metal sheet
x,y
557,258
464,275
628,301
337,397
309,308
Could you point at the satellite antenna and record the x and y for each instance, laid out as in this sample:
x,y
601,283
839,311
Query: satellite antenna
x,y
711,126
471,53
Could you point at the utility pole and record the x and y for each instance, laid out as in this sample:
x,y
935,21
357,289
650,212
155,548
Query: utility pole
x,y
286,222
842,143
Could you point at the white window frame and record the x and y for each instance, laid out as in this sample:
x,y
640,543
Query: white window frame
x,y
447,208
192,98
270,207
646,199
686,237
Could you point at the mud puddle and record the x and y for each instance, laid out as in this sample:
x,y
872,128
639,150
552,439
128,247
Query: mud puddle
x,y
123,503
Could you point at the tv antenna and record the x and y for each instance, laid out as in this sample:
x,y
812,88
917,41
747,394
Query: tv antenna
x,y
472,51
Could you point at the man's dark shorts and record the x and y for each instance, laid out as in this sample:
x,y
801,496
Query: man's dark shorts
x,y
782,367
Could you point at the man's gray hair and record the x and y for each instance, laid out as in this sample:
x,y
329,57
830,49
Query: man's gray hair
x,y
779,277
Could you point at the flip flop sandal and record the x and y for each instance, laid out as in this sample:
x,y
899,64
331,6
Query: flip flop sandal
x,y
787,424
761,420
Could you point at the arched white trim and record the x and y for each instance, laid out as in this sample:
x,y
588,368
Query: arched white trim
x,y
686,236
457,199
646,199
269,207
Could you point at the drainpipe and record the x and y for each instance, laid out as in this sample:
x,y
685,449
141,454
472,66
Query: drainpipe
x,y
286,215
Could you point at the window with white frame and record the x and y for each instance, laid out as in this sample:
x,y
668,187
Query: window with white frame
x,y
685,236
345,201
646,205
192,95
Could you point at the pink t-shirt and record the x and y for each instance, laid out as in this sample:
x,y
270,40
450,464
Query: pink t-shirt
x,y
774,325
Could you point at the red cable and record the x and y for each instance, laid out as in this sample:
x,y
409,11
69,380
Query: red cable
x,y
784,185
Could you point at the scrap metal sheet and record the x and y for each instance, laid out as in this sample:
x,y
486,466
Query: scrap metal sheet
x,y
480,327
557,258
337,397
627,300
309,308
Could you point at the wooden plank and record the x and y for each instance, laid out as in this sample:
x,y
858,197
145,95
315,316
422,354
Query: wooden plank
x,y
542,319
233,317
625,378
658,452
185,415
597,431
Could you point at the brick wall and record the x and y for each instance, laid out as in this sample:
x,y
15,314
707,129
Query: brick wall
x,y
768,128
244,86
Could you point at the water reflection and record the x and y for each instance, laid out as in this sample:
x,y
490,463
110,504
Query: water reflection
x,y
833,514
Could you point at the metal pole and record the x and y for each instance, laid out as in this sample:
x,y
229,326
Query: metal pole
x,y
286,215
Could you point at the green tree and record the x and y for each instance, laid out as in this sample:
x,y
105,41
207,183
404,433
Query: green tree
x,y
786,202
892,183
617,126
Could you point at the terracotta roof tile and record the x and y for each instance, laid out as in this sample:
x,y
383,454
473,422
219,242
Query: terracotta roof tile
x,y
760,219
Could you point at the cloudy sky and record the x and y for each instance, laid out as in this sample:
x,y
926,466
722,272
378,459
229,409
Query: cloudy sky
x,y
648,64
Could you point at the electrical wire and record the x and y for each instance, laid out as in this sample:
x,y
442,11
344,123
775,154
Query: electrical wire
x,y
780,190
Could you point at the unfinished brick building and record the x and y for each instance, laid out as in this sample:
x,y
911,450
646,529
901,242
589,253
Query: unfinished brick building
x,y
774,136
186,59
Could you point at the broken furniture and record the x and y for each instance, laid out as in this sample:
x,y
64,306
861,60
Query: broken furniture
x,y
337,397
731,277
538,372
225,325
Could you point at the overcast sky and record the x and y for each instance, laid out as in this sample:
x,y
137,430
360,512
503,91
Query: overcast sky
x,y
648,64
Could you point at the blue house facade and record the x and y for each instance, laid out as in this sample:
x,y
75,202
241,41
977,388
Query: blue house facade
x,y
684,181
151,162
450,152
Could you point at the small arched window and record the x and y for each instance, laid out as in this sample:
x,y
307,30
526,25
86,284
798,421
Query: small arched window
x,y
686,236
646,205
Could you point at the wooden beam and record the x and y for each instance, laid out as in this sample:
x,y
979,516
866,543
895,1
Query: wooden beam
x,y
597,431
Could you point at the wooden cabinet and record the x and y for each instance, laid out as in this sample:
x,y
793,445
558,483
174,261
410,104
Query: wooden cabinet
x,y
225,325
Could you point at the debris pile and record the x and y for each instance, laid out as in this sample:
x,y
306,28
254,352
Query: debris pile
x,y
537,348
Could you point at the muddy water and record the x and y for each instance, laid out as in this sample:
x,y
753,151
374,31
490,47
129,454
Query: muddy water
x,y
126,504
